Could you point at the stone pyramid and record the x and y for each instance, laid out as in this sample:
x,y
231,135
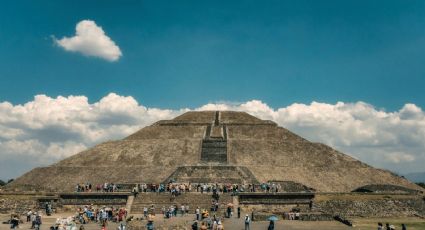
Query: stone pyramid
x,y
211,146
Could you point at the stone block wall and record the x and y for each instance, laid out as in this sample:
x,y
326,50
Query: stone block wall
x,y
373,208
164,199
16,204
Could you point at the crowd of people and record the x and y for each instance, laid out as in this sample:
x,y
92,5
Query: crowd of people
x,y
206,223
88,187
292,215
176,188
215,223
390,227
91,214
102,215
208,187
33,217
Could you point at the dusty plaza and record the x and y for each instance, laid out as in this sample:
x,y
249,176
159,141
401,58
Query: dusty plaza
x,y
209,170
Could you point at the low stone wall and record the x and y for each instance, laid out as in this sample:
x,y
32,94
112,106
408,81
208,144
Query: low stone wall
x,y
316,217
386,188
373,208
275,198
273,208
16,204
177,224
92,198
263,216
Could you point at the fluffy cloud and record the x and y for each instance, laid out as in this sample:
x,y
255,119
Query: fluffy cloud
x,y
48,129
90,40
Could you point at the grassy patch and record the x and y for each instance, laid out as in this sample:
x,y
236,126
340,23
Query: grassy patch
x,y
412,223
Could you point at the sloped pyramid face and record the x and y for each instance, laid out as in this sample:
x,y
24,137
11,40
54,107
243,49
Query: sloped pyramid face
x,y
211,146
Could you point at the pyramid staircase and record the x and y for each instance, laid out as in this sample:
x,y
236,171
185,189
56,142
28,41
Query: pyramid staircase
x,y
214,144
214,167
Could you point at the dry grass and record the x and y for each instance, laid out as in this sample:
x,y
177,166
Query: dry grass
x,y
412,223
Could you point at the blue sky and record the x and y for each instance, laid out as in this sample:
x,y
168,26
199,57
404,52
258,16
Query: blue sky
x,y
349,74
186,53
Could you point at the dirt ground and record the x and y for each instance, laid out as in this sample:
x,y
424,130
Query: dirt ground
x,y
238,224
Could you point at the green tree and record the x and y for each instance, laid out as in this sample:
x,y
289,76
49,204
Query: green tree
x,y
2,183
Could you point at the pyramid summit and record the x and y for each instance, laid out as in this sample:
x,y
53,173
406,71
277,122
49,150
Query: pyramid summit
x,y
211,147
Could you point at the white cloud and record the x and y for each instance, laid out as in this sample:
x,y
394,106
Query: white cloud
x,y
90,40
48,129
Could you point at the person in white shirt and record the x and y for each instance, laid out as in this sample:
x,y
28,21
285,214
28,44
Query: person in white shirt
x,y
29,213
247,221
197,212
183,210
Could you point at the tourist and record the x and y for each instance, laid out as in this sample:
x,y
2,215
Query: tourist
x,y
175,210
149,225
239,212
195,225
247,222
197,212
14,222
403,227
29,213
37,221
214,224
229,210
271,225
203,226
297,215
387,226
135,192
145,212
380,227
220,225
104,216
152,210
33,215
121,227
183,210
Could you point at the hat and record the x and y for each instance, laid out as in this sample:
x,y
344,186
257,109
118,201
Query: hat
x,y
246,215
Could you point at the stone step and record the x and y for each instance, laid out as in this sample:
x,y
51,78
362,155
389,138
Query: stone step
x,y
130,201
214,144
213,174
214,140
214,150
202,200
